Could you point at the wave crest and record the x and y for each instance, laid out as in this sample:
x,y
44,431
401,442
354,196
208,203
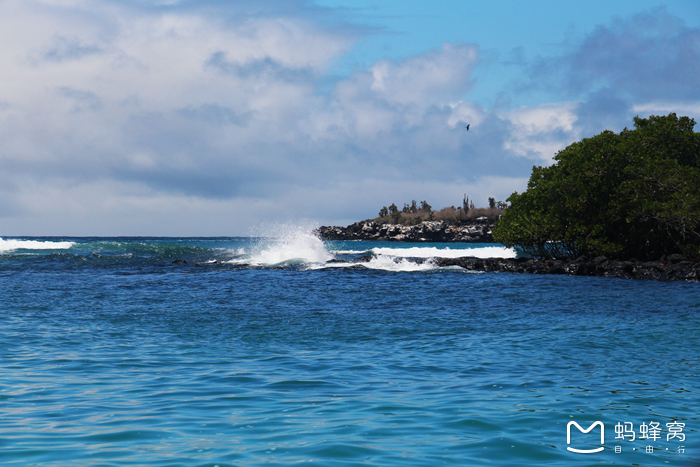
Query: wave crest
x,y
432,252
10,245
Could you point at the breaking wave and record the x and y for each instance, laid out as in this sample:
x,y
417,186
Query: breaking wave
x,y
408,259
289,246
387,263
432,252
295,246
11,245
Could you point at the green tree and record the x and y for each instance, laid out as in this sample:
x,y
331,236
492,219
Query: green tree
x,y
632,194
394,213
383,212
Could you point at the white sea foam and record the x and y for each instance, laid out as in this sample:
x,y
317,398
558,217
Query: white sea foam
x,y
387,263
293,245
350,252
384,263
9,245
396,259
431,252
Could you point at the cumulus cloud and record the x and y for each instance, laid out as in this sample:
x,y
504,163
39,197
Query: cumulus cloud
x,y
154,117
177,102
141,99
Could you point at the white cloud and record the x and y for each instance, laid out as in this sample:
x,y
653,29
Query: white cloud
x,y
540,131
118,120
466,112
435,78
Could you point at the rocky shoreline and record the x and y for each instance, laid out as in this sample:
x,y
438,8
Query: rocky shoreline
x,y
667,269
671,268
429,231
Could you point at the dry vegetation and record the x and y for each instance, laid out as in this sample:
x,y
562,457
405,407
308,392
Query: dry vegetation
x,y
413,213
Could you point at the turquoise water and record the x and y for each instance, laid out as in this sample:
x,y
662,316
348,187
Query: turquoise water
x,y
112,355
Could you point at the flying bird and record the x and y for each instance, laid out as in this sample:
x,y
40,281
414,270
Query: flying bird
x,y
468,127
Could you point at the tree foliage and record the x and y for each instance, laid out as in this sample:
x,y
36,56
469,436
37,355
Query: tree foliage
x,y
394,213
635,194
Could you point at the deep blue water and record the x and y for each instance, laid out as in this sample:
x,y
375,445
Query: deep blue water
x,y
112,355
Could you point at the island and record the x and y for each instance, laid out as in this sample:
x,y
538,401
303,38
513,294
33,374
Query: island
x,y
417,222
617,204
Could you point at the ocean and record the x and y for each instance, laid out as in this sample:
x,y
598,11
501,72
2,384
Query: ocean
x,y
281,351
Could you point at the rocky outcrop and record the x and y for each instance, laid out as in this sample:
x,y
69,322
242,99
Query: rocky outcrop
x,y
436,231
670,268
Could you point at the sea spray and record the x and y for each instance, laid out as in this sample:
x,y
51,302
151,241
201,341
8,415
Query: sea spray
x,y
293,244
287,244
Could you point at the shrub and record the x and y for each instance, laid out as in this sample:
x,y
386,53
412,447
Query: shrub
x,y
632,194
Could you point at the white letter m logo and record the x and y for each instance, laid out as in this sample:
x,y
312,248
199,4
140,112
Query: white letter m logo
x,y
585,451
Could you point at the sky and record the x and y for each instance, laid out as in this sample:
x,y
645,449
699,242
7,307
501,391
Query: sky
x,y
222,118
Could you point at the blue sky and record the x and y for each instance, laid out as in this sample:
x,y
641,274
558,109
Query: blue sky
x,y
147,117
504,30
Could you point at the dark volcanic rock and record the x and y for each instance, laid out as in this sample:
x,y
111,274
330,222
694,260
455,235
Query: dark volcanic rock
x,y
363,259
655,270
436,231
